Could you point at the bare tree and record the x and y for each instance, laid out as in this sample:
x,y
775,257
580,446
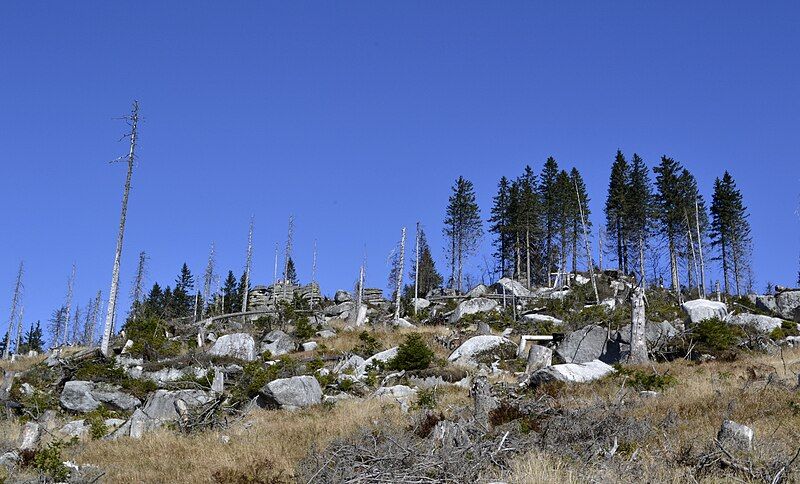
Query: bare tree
x,y
638,354
247,266
15,301
68,306
399,284
208,279
586,241
133,121
416,269
287,255
18,339
313,274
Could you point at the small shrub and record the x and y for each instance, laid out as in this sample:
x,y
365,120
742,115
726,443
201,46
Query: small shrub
x,y
426,398
368,345
646,380
787,328
49,462
254,376
97,426
303,329
149,339
715,336
413,354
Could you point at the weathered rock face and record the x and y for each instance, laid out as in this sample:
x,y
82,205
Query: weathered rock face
x,y
402,394
586,344
764,324
278,343
654,333
420,303
788,303
160,410
339,309
292,393
571,373
767,303
236,345
482,348
701,309
383,356
342,296
84,396
542,318
473,306
29,438
403,323
478,291
511,287
538,357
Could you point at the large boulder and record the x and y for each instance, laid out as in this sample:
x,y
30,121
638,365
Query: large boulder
x,y
655,334
542,318
479,349
85,396
342,296
701,309
278,343
291,393
571,373
339,309
383,357
510,287
764,324
788,303
236,345
473,306
767,302
160,410
478,291
586,344
420,303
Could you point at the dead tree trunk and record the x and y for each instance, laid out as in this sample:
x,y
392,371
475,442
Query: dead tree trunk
x,y
416,270
400,269
700,247
288,253
588,249
70,289
137,293
114,290
208,280
313,276
638,354
14,303
18,339
247,265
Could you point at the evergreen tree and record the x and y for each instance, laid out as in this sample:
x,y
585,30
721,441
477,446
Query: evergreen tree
x,y
168,308
730,230
463,228
694,215
528,225
500,225
291,273
549,199
240,290
564,219
229,292
182,299
33,340
616,205
669,207
4,343
579,203
429,277
153,305
638,211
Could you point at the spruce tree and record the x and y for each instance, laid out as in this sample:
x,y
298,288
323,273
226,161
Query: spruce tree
x,y
500,225
616,205
291,273
579,198
182,299
730,231
669,207
638,211
529,225
549,199
33,340
429,277
463,228
229,292
565,201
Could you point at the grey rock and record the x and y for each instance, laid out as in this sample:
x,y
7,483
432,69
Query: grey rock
x,y
236,345
75,428
326,333
278,343
111,395
342,296
218,384
9,459
420,303
478,348
478,291
473,306
764,324
510,288
538,357
571,373
788,303
339,309
29,437
310,346
586,344
292,393
542,318
701,309
402,394
383,357
732,434
77,396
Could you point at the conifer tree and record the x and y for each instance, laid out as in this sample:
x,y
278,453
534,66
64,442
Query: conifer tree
x,y
565,203
182,299
500,225
669,207
579,200
528,224
694,215
229,292
730,231
33,340
291,272
616,204
548,197
58,325
463,228
429,277
638,211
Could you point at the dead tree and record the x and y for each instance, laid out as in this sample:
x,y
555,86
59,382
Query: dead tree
x,y
70,290
108,329
313,274
208,279
247,266
275,278
638,354
400,261
586,243
700,247
18,339
137,291
416,271
287,255
15,300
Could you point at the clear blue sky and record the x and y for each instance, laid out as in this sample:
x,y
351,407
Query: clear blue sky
x,y
357,116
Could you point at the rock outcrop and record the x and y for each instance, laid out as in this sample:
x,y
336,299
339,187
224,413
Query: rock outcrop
x,y
483,349
291,393
701,309
473,306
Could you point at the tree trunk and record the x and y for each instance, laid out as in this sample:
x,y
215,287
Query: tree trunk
x,y
638,354
114,290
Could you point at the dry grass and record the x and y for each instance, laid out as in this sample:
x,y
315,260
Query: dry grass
x,y
270,442
345,341
21,363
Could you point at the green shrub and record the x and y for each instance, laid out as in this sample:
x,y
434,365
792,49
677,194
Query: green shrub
x,y
645,380
49,462
97,426
303,329
149,339
714,336
413,354
787,328
368,345
426,398
254,376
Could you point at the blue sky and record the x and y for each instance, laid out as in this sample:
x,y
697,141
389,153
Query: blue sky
x,y
357,116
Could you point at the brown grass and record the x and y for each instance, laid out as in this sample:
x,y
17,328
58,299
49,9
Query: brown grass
x,y
270,442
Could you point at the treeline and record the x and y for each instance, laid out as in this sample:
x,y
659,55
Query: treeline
x,y
541,229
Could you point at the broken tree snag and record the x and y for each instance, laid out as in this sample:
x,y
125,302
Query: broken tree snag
x,y
638,353
108,329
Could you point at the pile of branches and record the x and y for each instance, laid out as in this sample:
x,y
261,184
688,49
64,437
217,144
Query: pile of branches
x,y
387,455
